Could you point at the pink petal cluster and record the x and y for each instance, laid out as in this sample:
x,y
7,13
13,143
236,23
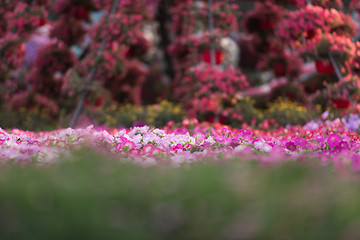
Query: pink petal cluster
x,y
310,21
209,89
326,142
340,47
22,20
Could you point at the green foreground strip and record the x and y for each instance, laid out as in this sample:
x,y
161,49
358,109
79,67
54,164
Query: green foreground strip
x,y
96,198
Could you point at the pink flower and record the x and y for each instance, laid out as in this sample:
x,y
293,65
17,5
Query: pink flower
x,y
128,145
334,140
147,149
245,132
290,146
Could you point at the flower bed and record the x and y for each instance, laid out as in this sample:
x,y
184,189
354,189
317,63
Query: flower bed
x,y
327,142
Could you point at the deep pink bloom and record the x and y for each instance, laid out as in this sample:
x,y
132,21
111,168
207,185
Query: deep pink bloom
x,y
245,132
128,145
291,146
343,145
300,142
148,149
334,140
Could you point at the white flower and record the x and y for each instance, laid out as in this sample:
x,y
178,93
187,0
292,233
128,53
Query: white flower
x,y
120,133
159,132
259,144
266,148
210,140
239,148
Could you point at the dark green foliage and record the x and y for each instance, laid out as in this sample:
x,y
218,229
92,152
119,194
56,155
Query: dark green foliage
x,y
96,198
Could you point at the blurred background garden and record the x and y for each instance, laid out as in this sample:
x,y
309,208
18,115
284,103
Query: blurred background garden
x,y
265,64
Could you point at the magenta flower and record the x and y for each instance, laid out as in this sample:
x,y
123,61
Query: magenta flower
x,y
245,132
334,140
290,146
199,137
128,145
266,148
262,146
343,145
300,142
148,149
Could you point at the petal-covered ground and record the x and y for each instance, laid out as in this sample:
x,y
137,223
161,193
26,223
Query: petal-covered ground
x,y
330,142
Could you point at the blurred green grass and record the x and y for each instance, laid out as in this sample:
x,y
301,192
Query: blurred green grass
x,y
93,197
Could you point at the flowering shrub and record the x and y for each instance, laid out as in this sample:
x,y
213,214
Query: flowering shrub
x,y
68,30
23,20
111,66
344,90
7,11
131,84
263,18
120,69
54,57
354,65
40,86
186,50
19,21
49,81
338,95
193,17
119,28
340,47
190,26
13,50
295,32
312,32
282,64
45,79
211,89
